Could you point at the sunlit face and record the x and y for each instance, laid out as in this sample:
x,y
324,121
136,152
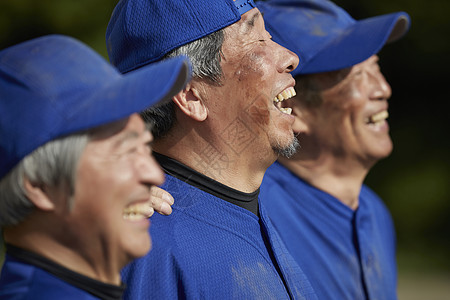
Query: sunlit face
x,y
351,121
255,71
112,190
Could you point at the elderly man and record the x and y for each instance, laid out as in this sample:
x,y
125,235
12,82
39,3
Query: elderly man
x,y
76,167
215,141
338,230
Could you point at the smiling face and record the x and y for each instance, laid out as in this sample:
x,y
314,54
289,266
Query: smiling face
x,y
112,191
351,119
255,73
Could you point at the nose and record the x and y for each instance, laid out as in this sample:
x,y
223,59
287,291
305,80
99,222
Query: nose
x,y
288,60
381,88
150,172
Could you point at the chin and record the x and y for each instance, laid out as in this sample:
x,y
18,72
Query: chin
x,y
386,147
381,152
286,148
136,250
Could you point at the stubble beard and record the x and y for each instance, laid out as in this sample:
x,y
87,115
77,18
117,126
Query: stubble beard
x,y
289,150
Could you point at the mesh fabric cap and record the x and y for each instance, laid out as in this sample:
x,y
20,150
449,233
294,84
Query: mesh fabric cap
x,y
143,31
54,86
325,37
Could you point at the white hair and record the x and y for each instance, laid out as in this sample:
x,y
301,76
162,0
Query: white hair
x,y
53,165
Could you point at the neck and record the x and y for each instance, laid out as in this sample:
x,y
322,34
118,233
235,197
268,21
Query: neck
x,y
202,150
341,178
87,260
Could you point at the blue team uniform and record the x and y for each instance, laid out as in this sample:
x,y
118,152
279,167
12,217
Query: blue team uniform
x,y
346,254
209,248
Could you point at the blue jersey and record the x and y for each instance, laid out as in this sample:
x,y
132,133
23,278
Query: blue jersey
x,y
209,248
346,254
27,275
20,280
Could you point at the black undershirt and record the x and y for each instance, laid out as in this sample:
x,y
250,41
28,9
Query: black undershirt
x,y
176,169
97,288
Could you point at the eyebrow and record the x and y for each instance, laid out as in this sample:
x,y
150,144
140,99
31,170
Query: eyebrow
x,y
251,22
126,137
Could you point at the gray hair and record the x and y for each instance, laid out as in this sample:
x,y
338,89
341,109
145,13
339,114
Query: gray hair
x,y
205,55
53,165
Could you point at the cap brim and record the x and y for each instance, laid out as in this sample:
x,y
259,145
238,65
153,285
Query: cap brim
x,y
133,92
357,43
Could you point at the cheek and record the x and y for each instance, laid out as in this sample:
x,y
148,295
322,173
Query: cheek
x,y
102,181
346,103
91,193
258,111
254,71
352,95
347,93
332,116
253,67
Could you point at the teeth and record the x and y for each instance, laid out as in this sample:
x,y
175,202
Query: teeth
x,y
286,94
378,117
286,110
133,217
138,212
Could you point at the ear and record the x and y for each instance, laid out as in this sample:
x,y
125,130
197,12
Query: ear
x,y
190,103
38,196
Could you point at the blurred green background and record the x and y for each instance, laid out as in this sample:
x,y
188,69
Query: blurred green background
x,y
414,181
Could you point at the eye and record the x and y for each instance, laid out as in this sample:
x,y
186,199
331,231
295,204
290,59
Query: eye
x,y
267,37
357,72
132,150
144,149
264,40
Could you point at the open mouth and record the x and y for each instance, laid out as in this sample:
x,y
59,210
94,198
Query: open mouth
x,y
284,95
377,118
138,211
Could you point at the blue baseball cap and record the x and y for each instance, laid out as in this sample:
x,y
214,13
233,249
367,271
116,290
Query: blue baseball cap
x,y
54,86
143,31
325,37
